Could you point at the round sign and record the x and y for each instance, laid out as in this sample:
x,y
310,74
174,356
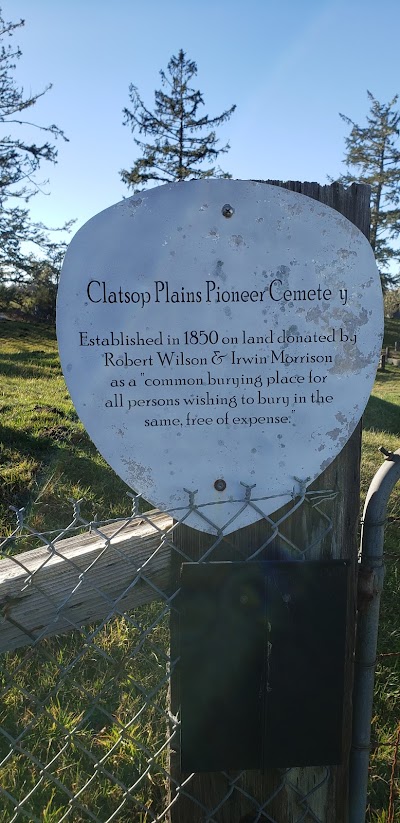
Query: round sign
x,y
217,333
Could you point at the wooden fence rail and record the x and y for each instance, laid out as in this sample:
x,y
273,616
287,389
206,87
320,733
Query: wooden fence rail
x,y
87,578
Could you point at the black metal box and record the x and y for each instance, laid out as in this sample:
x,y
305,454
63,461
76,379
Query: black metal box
x,y
262,650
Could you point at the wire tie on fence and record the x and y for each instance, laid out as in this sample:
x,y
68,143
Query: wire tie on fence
x,y
191,494
303,486
386,452
76,506
174,719
20,514
248,488
135,503
93,522
316,497
374,522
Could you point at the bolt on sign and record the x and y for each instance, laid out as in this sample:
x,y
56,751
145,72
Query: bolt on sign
x,y
219,332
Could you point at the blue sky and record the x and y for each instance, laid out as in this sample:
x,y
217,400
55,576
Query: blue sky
x,y
290,67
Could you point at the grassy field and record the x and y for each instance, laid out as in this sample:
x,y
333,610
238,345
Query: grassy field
x,y
44,447
43,451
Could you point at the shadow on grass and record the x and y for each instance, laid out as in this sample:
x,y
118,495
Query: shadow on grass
x,y
20,329
35,363
73,457
28,445
380,415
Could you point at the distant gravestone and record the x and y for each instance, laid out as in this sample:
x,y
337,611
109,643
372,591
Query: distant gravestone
x,y
220,332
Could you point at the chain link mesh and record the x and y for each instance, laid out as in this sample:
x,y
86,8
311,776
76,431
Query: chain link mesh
x,y
85,727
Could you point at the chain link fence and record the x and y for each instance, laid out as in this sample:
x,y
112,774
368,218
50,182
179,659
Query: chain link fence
x,y
86,725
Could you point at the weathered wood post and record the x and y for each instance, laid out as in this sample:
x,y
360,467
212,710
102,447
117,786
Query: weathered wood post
x,y
208,790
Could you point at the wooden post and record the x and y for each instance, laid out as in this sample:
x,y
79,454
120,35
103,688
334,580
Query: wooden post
x,y
211,791
64,595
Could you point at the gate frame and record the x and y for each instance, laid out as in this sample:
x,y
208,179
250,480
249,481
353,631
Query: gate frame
x,y
371,572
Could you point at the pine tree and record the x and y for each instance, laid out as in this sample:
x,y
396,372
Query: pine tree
x,y
20,160
179,148
374,154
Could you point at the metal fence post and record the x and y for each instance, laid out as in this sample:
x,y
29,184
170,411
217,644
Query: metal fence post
x,y
371,572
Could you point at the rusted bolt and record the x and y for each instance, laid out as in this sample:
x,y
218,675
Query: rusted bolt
x,y
228,210
220,485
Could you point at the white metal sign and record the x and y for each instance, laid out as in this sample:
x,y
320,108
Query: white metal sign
x,y
215,333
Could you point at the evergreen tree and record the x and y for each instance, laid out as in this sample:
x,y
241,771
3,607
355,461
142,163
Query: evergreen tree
x,y
391,302
182,142
373,152
20,160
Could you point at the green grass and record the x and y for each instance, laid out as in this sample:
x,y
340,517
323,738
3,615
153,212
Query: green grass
x,y
79,710
392,333
46,457
44,448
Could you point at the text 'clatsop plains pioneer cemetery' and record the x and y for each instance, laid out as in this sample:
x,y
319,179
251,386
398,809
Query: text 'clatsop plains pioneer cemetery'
x,y
219,330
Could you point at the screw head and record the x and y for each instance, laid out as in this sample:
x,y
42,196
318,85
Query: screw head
x,y
220,485
227,210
